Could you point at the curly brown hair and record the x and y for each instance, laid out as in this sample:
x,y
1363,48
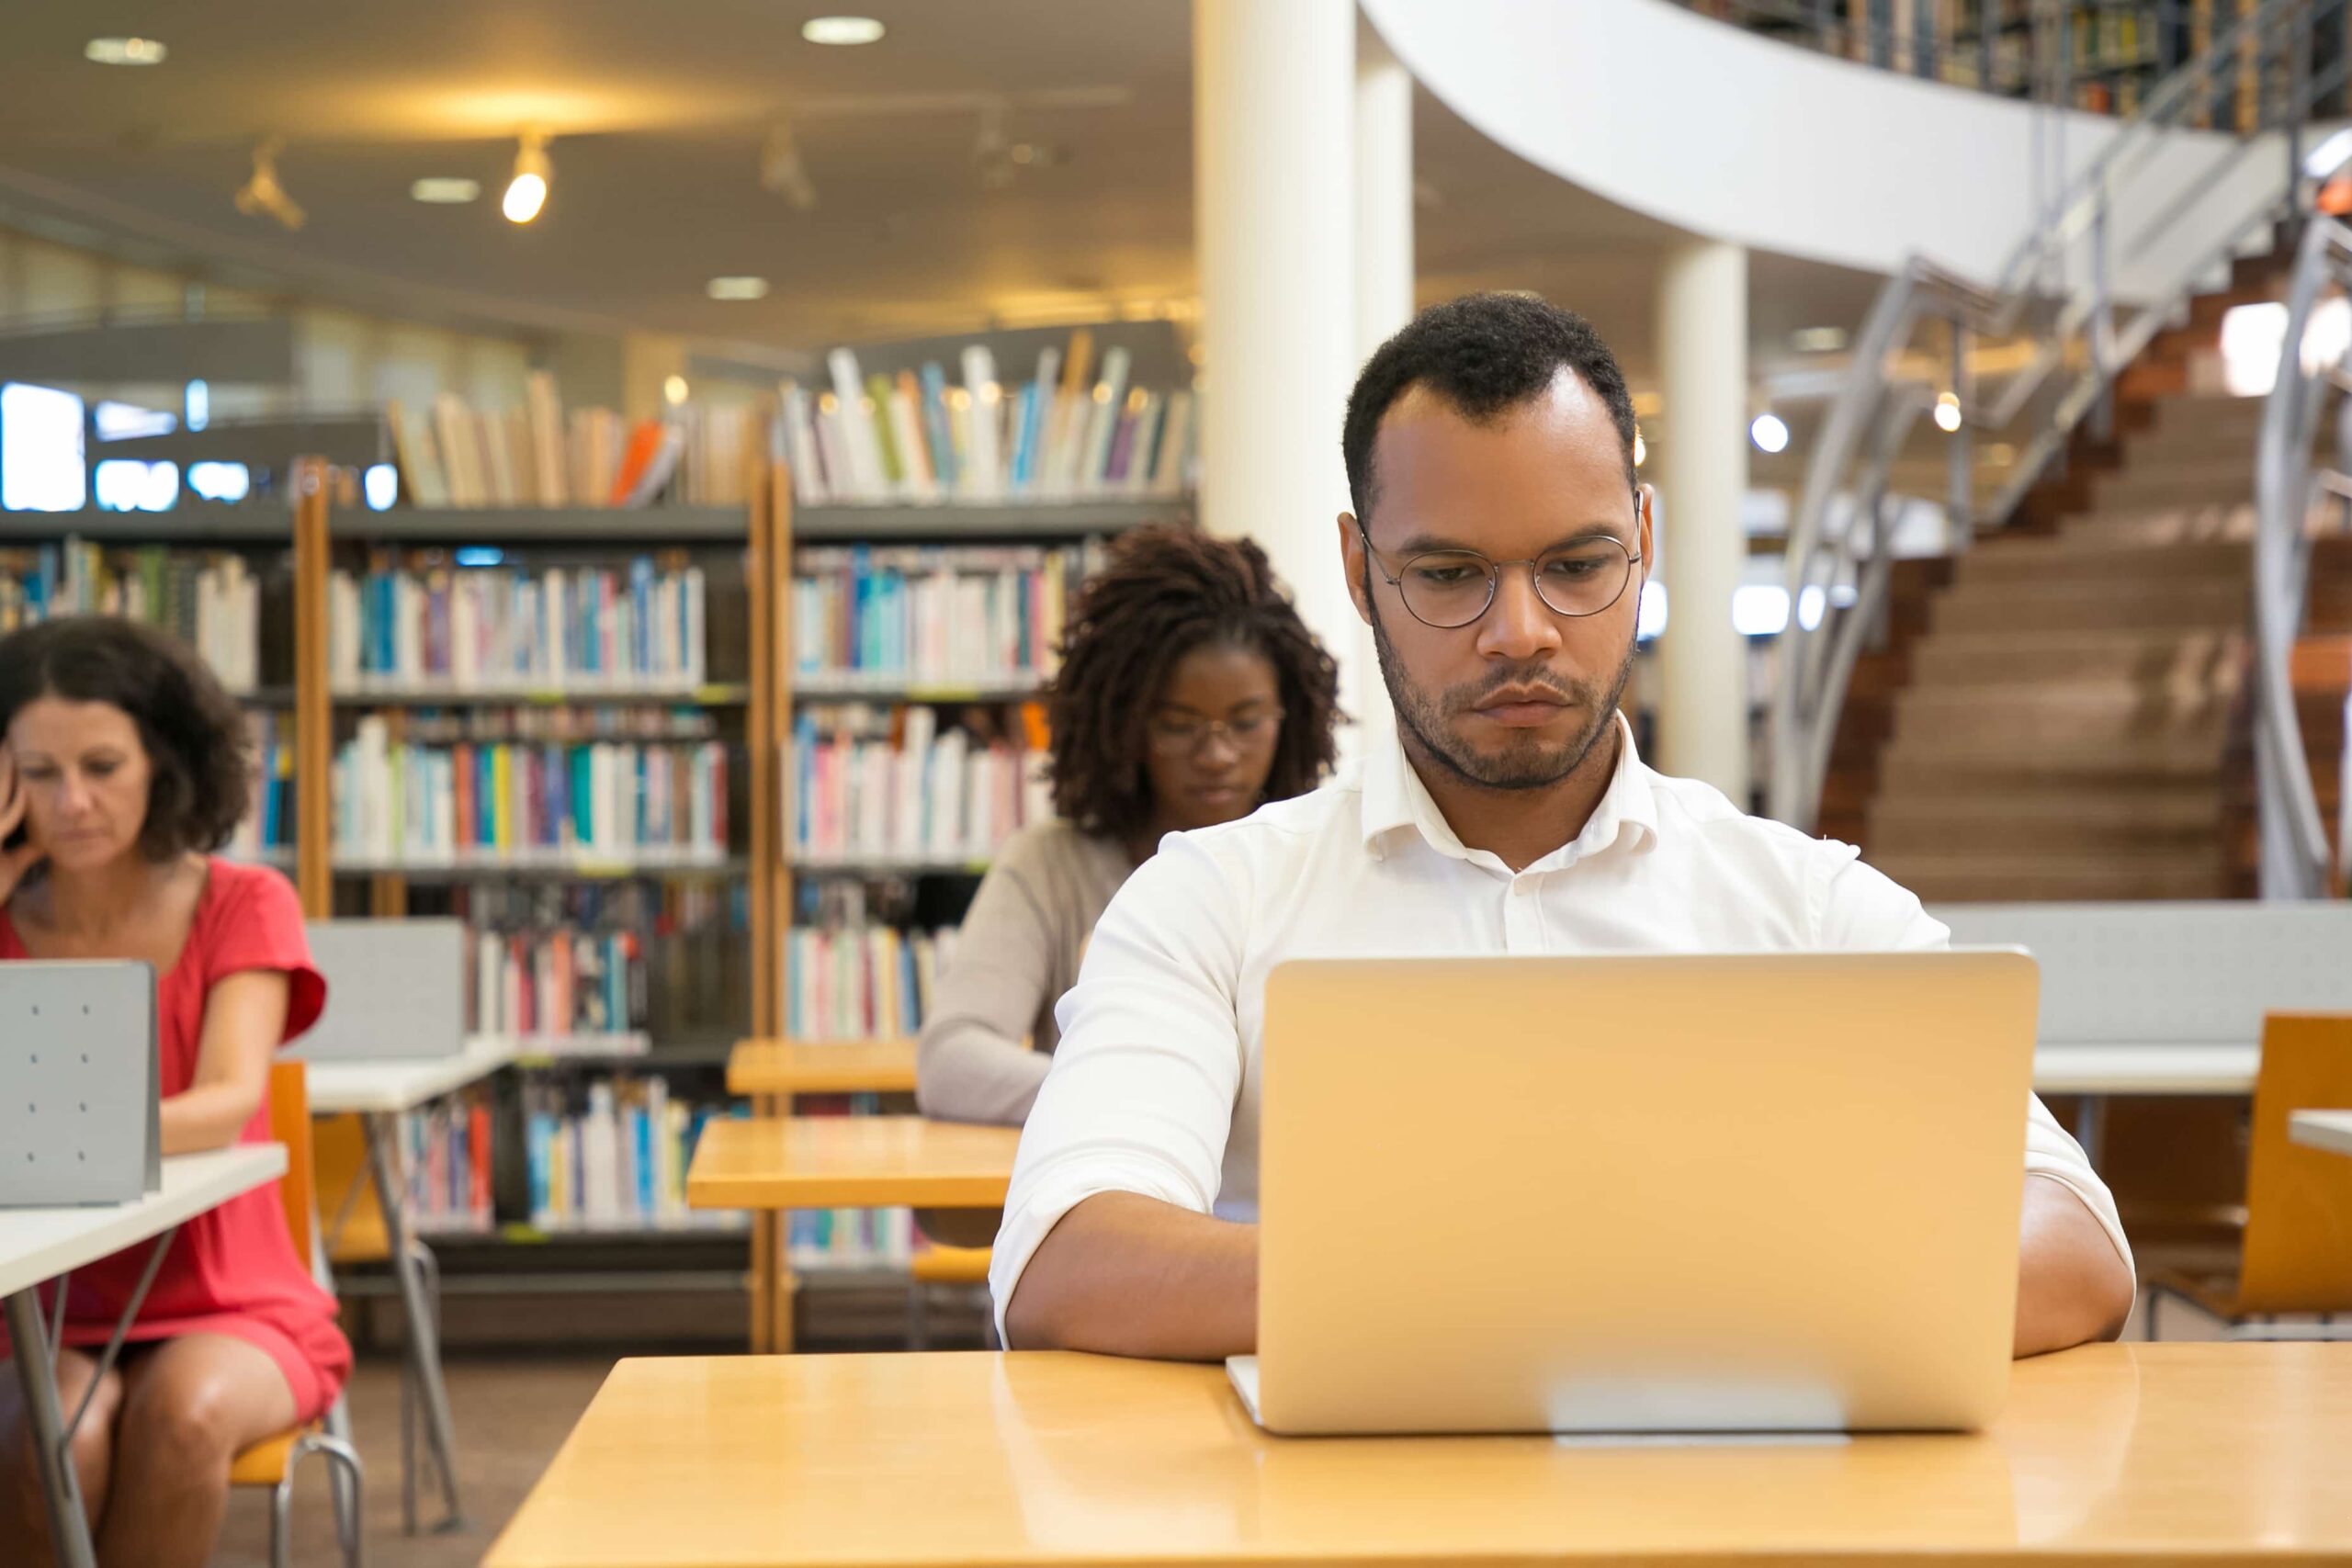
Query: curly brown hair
x,y
197,746
1166,590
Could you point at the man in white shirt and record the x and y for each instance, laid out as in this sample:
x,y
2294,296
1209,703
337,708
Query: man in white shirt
x,y
1497,549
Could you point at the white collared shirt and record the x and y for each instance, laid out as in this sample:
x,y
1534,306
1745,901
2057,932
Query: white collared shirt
x,y
1154,1089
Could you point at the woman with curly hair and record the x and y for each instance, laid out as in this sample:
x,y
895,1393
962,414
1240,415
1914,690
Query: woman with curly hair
x,y
123,765
1190,693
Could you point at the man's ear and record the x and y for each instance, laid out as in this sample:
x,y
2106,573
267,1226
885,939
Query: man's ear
x,y
1645,536
1351,562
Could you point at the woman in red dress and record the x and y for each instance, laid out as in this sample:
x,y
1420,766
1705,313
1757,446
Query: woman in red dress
x,y
122,765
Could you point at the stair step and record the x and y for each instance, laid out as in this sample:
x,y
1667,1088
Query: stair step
x,y
1955,657
2165,524
2133,485
1904,828
2054,707
2106,560
2069,605
1981,762
2090,878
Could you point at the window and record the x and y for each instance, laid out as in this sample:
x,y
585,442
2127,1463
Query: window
x,y
40,450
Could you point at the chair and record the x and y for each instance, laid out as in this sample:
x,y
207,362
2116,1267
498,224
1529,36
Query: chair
x,y
932,1269
271,1462
2296,1253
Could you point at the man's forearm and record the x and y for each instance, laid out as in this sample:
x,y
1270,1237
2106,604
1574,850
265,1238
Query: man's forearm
x,y
1125,1275
2072,1285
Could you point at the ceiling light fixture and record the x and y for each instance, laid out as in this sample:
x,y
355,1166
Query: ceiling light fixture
x,y
845,31
1817,340
125,51
261,194
527,191
737,288
674,389
1948,412
444,190
1769,433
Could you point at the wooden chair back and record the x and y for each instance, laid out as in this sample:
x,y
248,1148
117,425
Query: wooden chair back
x,y
2298,1249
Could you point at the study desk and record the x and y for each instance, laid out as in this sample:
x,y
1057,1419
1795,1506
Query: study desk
x,y
799,1066
2329,1130
379,1093
850,1162
2153,1453
38,1245
2097,1071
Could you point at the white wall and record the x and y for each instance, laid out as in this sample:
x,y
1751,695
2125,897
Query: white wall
x,y
1734,137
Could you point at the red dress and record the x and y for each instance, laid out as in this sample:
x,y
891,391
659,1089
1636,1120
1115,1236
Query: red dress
x,y
231,1270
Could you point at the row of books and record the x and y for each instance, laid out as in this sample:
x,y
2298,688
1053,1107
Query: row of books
x,y
683,945
611,1154
210,599
870,782
451,1157
1071,431
868,982
269,824
396,802
471,628
540,455
932,615
544,723
562,984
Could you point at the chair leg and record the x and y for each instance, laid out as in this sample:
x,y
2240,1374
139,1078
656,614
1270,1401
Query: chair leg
x,y
346,1476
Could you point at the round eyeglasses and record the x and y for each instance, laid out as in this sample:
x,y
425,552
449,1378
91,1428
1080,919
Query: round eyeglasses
x,y
1447,589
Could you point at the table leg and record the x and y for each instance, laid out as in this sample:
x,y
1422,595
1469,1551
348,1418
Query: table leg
x,y
2090,1127
61,1487
423,1333
338,1418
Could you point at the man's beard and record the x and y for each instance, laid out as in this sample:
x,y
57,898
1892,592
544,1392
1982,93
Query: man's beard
x,y
1529,761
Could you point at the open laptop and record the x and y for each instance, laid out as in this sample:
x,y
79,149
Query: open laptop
x,y
1763,1192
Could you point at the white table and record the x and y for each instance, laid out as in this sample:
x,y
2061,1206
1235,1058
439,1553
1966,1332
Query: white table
x,y
38,1244
2094,1071
2329,1130
379,1092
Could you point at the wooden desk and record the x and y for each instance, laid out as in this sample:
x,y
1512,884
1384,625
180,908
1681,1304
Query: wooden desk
x,y
2329,1130
850,1162
2158,1453
799,1066
38,1244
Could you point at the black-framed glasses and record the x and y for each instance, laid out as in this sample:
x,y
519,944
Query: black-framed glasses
x,y
1174,735
1449,589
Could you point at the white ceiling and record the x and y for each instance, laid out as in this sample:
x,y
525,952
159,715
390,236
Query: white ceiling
x,y
658,113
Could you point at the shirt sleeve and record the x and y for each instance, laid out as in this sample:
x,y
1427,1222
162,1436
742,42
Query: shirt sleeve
x,y
972,1063
256,923
1142,1088
1857,908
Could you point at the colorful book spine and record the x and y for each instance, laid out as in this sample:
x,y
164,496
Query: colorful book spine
x,y
870,784
611,1155
451,1157
209,600
501,627
951,617
863,982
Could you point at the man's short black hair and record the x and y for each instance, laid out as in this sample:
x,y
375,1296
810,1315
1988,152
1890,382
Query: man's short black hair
x,y
1482,353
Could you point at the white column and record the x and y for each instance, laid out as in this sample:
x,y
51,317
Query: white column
x,y
1273,227
1383,300
1701,470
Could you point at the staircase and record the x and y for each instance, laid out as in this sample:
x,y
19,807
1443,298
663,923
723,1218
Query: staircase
x,y
2064,711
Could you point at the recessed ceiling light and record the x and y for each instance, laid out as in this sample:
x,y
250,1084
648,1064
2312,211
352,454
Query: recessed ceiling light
x,y
124,51
841,30
674,389
444,190
1817,340
737,288
1769,433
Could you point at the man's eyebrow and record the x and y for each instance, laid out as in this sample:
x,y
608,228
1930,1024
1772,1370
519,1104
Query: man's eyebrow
x,y
1428,543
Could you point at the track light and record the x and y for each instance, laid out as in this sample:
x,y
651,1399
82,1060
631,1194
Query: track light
x,y
263,194
527,191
